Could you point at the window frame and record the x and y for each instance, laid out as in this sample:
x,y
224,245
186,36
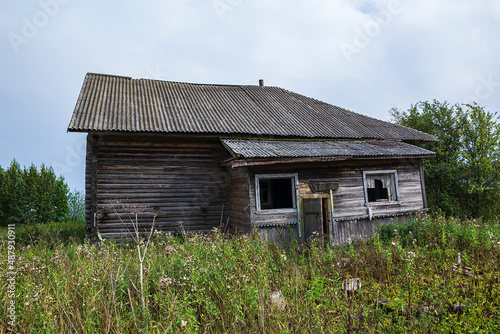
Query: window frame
x,y
394,174
294,184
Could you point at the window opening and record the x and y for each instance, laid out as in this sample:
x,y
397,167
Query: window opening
x,y
380,187
276,192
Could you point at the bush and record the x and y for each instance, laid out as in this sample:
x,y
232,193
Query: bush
x,y
52,232
436,230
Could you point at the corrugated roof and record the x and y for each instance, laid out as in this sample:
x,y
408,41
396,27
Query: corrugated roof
x,y
260,148
114,103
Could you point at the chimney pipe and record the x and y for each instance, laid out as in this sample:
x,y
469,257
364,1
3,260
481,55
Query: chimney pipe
x,y
261,82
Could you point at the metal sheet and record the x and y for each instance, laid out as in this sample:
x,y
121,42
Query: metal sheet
x,y
264,148
115,103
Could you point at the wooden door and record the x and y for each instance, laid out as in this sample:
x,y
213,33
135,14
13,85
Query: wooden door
x,y
313,217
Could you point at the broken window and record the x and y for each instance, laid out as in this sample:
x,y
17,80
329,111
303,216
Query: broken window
x,y
380,186
275,192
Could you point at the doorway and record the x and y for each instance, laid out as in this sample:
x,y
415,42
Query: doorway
x,y
315,217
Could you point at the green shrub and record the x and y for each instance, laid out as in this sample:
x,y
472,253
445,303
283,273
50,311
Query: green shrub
x,y
53,232
439,231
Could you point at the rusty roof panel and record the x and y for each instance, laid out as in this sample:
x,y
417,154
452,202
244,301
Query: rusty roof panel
x,y
114,103
264,148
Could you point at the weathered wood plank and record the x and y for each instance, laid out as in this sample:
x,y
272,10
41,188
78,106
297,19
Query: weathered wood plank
x,y
182,178
349,200
239,197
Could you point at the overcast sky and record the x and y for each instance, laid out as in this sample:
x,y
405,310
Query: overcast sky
x,y
366,56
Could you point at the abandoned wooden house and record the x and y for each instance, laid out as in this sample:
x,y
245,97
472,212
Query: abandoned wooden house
x,y
261,158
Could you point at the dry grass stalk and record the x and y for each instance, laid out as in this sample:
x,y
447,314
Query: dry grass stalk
x,y
135,210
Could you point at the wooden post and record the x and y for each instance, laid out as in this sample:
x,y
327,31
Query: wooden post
x,y
93,142
333,224
299,214
422,184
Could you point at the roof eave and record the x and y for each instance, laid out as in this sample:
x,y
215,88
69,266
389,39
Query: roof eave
x,y
252,162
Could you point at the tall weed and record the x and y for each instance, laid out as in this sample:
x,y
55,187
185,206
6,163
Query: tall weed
x,y
217,283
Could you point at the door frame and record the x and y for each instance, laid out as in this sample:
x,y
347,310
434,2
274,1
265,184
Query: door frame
x,y
327,209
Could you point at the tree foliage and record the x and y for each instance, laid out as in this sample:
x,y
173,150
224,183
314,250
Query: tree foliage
x,y
464,178
32,195
76,202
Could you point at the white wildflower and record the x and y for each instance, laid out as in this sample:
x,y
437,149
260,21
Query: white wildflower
x,y
278,300
410,255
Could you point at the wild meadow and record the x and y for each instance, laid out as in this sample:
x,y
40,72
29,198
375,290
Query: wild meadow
x,y
241,284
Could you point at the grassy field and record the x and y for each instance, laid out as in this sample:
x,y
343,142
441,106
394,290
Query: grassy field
x,y
240,284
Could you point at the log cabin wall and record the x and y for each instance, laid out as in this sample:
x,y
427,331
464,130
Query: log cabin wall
x,y
181,178
351,215
90,185
184,179
239,198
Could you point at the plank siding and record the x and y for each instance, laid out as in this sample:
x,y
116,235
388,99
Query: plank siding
x,y
351,217
181,178
185,180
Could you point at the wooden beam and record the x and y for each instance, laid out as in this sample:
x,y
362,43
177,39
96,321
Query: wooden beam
x,y
93,142
275,161
422,183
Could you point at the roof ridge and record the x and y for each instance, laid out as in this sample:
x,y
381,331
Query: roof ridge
x,y
176,82
109,75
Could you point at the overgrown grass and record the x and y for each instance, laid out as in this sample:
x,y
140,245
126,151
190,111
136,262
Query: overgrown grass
x,y
51,232
214,283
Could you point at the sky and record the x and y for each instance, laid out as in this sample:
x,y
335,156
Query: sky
x,y
366,56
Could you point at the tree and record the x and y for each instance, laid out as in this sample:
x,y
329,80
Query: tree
x,y
479,158
3,192
76,203
12,189
32,195
463,179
